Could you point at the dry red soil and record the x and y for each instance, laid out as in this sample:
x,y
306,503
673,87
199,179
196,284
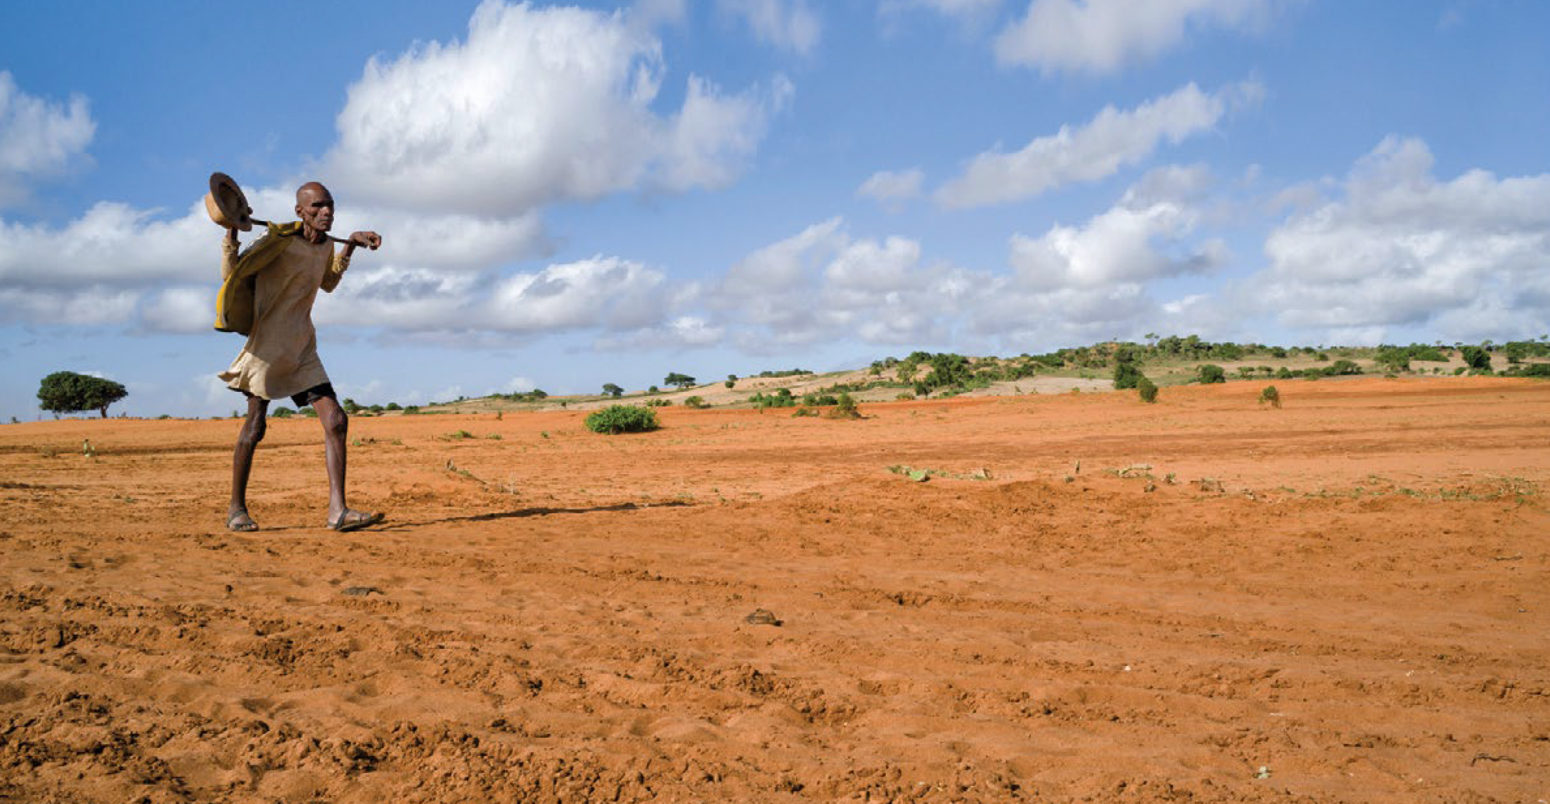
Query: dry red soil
x,y
1343,599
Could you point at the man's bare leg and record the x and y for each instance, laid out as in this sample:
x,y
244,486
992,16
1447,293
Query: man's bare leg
x,y
336,432
252,432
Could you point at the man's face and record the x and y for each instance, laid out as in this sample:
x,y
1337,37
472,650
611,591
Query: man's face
x,y
315,206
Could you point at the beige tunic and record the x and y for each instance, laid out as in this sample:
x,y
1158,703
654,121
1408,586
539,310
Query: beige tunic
x,y
281,355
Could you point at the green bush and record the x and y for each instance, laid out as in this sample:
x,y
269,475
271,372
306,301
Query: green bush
x,y
1477,358
1208,373
616,419
1271,395
696,402
1126,375
283,412
1147,389
845,408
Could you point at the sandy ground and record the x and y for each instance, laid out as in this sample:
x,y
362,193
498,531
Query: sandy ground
x,y
1204,599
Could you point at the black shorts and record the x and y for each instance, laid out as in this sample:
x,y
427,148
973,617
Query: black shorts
x,y
306,397
315,393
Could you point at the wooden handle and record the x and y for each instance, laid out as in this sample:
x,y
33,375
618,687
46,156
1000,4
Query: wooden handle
x,y
329,236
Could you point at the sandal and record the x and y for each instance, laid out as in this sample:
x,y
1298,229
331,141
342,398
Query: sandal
x,y
355,520
240,522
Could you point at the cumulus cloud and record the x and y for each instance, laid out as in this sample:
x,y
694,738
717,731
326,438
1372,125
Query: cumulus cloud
x,y
786,24
39,139
1398,247
1102,36
892,187
1121,245
1113,139
111,244
537,105
606,293
88,306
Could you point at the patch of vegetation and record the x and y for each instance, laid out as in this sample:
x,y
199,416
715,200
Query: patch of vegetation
x,y
788,373
610,389
696,402
680,380
780,398
845,408
1209,373
616,419
922,475
1147,390
1270,395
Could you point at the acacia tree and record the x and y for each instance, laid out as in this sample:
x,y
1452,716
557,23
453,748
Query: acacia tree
x,y
612,390
67,392
680,380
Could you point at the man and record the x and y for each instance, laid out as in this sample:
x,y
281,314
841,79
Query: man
x,y
267,294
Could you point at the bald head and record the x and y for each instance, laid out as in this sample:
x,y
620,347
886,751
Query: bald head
x,y
315,206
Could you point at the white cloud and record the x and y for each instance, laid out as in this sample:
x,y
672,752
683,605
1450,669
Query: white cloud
x,y
88,306
519,385
1116,247
1110,141
605,292
180,309
537,105
1102,36
891,187
786,24
110,244
39,139
1463,257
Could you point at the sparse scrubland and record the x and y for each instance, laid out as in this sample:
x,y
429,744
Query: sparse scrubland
x,y
1038,597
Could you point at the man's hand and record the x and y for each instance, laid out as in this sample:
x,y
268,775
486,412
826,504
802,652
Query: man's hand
x,y
370,240
231,234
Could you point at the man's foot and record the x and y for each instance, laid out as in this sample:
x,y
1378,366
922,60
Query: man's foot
x,y
239,521
352,519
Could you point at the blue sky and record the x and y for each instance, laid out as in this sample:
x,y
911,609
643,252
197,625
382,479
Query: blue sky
x,y
605,192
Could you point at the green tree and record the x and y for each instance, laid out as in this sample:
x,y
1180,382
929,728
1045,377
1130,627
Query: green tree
x,y
612,390
67,392
1209,373
680,380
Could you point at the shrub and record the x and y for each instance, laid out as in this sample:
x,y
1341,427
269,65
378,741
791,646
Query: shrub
x,y
1126,375
803,412
283,412
1208,373
393,406
780,399
696,402
1476,358
1147,389
1283,373
1271,395
845,408
659,403
616,419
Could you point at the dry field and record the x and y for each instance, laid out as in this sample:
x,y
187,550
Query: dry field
x,y
1205,599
